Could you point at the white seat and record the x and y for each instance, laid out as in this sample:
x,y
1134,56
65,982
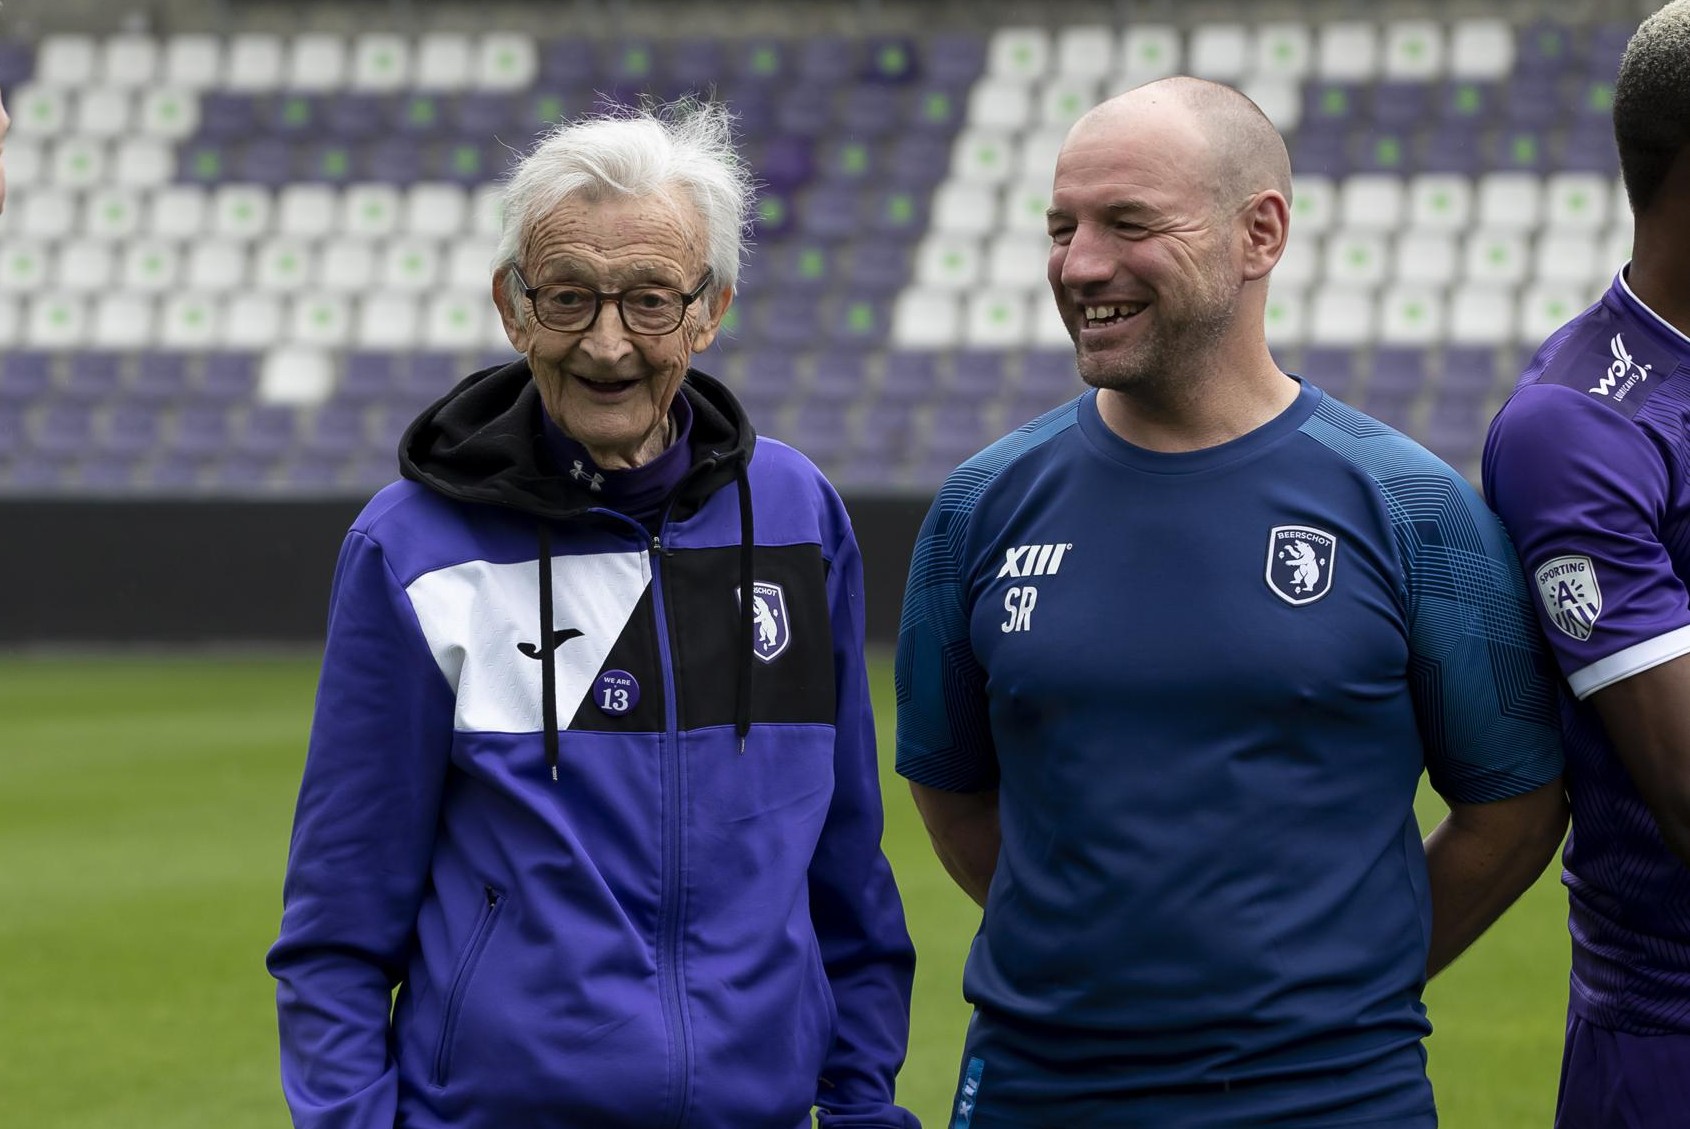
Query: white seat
x,y
1426,258
11,322
1411,314
948,262
1620,204
252,321
1440,202
47,213
319,319
964,209
38,110
1024,205
1510,200
193,61
143,162
1283,50
469,265
1575,201
1037,157
1372,201
486,210
131,61
26,163
23,266
1314,205
1085,51
123,321
410,265
69,61
1341,315
1547,306
299,375
1481,314
1148,52
190,321
1045,327
1568,257
1299,265
456,319
178,211
387,321
1000,105
112,213
1285,318
151,266
1020,53
102,111
369,211
216,266
926,319
981,156
1498,257
1347,51
445,61
254,63
995,319
1356,258
346,266
1279,98
317,62
1018,262
381,61
240,211
1414,49
169,112
1616,248
78,162
506,61
284,264
438,210
1220,51
55,321
307,211
84,266
1481,49
1062,100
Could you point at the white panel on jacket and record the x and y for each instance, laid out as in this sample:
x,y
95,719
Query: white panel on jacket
x,y
475,614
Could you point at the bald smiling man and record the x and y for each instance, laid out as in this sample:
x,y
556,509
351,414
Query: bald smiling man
x,y
1173,659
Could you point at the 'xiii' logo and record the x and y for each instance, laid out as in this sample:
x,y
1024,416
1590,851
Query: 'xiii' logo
x,y
1299,563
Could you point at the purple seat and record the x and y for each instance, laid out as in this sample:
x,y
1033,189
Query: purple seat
x,y
936,110
175,474
109,473
807,265
17,63
878,266
838,377
631,63
1383,151
1332,369
229,377
818,430
391,420
847,161
1393,413
1523,150
91,377
356,116
1468,372
859,321
758,59
369,376
1607,45
1398,368
1532,103
1594,103
869,112
1589,147
958,429
64,429
884,430
697,64
483,115
24,376
916,163
244,474
774,215
12,429
789,321
227,117
338,430
954,59
327,162
368,474
785,162
909,378
768,374
890,59
1467,101
295,115
428,375
1401,105
392,160
895,212
826,60
461,160
270,161
753,106
1546,48
1453,147
830,211
265,430
314,475
130,428
203,162
978,375
39,473
568,62
1028,404
200,431
805,110
1049,373
1336,105
1321,150
421,114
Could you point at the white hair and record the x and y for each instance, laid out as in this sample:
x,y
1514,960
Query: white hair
x,y
681,150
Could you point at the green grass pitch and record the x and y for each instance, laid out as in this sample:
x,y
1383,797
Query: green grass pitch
x,y
144,812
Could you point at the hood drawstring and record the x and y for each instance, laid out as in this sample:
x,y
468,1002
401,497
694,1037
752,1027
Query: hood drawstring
x,y
548,664
748,595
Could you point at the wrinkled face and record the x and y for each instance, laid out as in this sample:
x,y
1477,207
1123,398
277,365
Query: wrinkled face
x,y
609,389
1143,260
5,127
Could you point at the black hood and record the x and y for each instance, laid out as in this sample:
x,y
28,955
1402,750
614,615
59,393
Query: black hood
x,y
483,442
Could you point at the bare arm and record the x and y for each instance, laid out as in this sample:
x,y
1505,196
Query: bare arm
x,y
1481,858
1648,720
964,830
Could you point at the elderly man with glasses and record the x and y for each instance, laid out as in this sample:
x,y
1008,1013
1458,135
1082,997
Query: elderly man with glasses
x,y
592,778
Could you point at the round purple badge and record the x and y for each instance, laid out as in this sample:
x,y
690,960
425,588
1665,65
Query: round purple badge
x,y
616,692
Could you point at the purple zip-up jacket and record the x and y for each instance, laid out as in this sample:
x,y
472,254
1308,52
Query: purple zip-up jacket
x,y
693,924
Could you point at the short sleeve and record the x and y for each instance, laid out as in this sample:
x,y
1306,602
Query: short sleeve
x,y
1583,491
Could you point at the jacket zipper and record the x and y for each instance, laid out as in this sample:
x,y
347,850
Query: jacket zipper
x,y
678,1025
460,982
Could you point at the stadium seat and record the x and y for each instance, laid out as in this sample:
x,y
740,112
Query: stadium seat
x,y
193,61
381,61
1414,49
1314,204
1282,50
1283,319
1440,202
255,62
251,321
1356,258
67,61
78,162
190,321
1002,105
1371,202
1220,51
995,318
1018,53
1481,314
444,61
1300,265
122,321
984,156
1426,258
317,62
1341,314
1495,256
140,162
1411,314
1148,51
1062,99
102,111
1481,49
1346,51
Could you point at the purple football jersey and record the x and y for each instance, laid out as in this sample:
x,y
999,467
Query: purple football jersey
x,y
1588,465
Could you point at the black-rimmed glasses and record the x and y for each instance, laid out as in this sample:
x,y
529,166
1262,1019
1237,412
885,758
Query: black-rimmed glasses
x,y
650,311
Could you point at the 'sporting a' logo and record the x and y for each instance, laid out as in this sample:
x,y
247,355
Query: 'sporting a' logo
x,y
1571,596
1623,375
768,620
1299,563
1032,560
